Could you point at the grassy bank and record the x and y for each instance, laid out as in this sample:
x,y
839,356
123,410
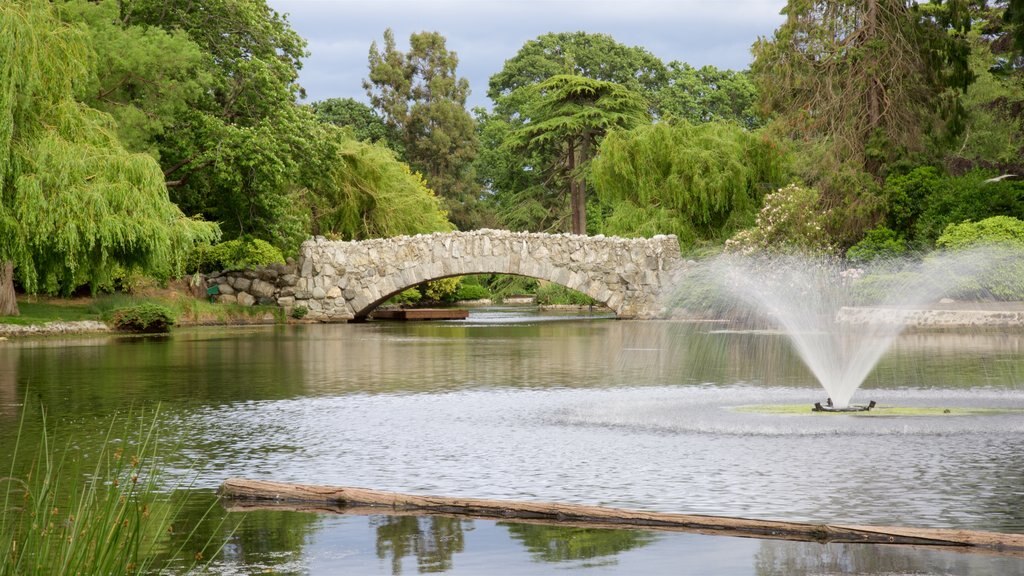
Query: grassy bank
x,y
187,311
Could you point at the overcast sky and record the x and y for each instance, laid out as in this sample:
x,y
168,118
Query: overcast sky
x,y
485,33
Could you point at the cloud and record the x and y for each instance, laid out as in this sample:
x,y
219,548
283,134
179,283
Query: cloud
x,y
484,33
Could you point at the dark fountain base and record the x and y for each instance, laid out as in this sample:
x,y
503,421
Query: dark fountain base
x,y
828,407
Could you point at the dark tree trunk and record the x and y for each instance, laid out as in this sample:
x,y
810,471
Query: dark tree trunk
x,y
8,302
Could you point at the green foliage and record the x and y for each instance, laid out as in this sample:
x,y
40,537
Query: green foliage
x,y
995,230
922,203
699,182
999,241
136,82
878,243
470,291
993,137
147,318
530,184
420,98
220,114
363,124
442,290
549,294
790,221
502,286
73,201
238,254
563,123
88,514
708,94
358,190
407,297
593,56
299,312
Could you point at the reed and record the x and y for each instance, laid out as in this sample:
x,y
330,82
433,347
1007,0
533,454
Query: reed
x,y
66,512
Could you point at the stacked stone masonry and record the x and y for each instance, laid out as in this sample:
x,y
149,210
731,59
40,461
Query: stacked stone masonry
x,y
339,281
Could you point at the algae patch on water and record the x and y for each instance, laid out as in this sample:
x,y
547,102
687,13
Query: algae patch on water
x,y
880,410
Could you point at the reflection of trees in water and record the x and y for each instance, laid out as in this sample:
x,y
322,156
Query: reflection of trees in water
x,y
565,543
432,539
9,385
781,558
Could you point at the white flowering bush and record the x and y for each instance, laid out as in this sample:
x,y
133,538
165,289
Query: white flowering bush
x,y
791,221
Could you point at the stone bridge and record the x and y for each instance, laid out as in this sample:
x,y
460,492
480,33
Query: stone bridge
x,y
339,281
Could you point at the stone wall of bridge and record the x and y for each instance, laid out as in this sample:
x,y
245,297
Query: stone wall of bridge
x,y
339,281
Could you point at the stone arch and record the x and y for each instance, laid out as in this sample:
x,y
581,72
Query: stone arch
x,y
598,291
347,280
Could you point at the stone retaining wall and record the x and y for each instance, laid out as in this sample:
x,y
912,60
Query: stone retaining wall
x,y
933,318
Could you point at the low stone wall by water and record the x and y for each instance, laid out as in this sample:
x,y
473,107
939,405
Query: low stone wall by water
x,y
934,317
269,285
54,328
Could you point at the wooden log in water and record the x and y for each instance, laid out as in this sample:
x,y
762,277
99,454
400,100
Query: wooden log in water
x,y
337,499
421,314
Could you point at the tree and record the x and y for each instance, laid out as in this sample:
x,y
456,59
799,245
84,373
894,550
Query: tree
x,y
356,190
420,97
708,94
594,56
698,181
527,193
73,201
209,88
360,119
566,118
871,78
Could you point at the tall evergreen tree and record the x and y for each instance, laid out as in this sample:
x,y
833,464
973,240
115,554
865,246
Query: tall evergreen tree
x,y
420,96
872,79
566,118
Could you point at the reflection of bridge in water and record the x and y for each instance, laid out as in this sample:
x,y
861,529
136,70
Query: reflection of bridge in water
x,y
347,280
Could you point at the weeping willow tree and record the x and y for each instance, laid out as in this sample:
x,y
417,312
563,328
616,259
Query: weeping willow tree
x,y
358,190
73,202
697,181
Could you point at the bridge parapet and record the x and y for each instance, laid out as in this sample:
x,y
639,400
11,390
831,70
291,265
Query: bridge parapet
x,y
347,280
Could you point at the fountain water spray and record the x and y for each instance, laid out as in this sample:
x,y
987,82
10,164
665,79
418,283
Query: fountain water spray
x,y
811,298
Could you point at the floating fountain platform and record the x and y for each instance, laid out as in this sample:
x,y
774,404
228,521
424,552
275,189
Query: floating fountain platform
x,y
828,407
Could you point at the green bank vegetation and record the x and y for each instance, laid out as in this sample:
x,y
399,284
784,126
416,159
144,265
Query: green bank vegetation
x,y
894,121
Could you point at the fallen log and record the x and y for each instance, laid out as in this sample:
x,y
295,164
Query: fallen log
x,y
246,494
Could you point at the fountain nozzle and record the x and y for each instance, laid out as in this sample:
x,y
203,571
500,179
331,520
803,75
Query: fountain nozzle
x,y
829,407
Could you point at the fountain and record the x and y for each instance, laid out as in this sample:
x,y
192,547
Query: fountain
x,y
814,301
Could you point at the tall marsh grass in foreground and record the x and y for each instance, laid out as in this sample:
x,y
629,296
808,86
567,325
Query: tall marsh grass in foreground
x,y
67,515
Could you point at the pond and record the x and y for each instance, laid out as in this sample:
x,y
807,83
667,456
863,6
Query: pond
x,y
513,404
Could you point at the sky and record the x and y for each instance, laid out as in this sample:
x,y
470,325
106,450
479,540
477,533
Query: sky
x,y
485,33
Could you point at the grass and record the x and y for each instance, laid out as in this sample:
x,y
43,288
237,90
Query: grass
x,y
69,516
187,310
43,311
877,411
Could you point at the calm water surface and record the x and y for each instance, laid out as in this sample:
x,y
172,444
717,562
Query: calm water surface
x,y
514,405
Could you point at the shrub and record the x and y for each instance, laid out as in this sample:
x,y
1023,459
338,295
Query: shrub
x,y
299,312
471,292
999,242
238,254
442,290
880,242
995,230
790,221
146,318
556,294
